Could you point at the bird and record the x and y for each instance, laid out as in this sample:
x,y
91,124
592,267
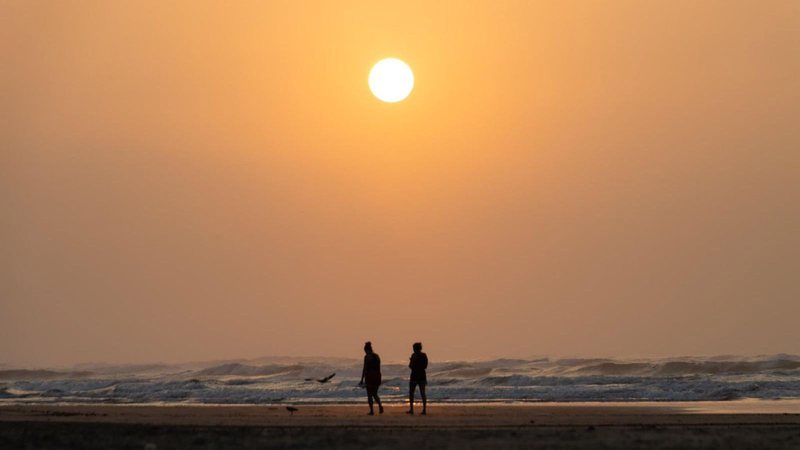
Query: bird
x,y
291,410
326,379
322,380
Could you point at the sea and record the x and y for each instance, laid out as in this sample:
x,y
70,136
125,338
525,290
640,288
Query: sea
x,y
288,380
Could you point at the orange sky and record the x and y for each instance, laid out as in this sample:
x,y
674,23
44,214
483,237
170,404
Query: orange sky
x,y
200,180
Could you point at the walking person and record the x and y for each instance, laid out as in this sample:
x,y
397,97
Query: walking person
x,y
371,377
418,363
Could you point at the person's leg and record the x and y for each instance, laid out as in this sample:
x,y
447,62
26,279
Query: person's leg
x,y
412,386
369,399
424,397
378,399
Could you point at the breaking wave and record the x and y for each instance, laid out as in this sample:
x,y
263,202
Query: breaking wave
x,y
277,380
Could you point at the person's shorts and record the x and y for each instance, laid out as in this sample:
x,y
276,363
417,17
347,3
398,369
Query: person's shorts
x,y
414,382
372,381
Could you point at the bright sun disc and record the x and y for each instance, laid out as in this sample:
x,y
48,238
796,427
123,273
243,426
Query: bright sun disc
x,y
391,80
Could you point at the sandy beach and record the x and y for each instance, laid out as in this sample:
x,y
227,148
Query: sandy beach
x,y
736,425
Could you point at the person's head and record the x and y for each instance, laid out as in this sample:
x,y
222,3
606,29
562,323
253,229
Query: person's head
x,y
417,347
368,347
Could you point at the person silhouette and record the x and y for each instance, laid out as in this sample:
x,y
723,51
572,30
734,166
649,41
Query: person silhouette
x,y
371,377
417,363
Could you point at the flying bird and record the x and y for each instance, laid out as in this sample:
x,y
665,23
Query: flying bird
x,y
322,380
326,379
291,410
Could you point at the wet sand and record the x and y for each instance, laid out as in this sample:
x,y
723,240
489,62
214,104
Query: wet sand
x,y
735,425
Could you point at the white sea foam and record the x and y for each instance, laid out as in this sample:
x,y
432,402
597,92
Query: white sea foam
x,y
538,380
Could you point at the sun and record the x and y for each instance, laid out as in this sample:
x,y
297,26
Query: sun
x,y
391,80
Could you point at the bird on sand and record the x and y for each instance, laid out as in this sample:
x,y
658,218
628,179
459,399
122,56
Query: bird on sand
x,y
291,410
322,380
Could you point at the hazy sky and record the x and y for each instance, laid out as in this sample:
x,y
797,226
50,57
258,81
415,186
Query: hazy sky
x,y
201,180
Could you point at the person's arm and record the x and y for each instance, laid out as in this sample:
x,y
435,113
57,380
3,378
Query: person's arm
x,y
363,372
411,362
424,361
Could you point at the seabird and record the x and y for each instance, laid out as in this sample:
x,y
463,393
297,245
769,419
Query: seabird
x,y
322,380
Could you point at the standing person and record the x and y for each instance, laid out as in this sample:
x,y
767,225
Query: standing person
x,y
371,377
418,364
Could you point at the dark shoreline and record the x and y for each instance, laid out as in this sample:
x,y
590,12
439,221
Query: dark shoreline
x,y
89,436
347,427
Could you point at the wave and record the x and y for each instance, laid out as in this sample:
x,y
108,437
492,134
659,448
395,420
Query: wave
x,y
676,368
535,380
243,369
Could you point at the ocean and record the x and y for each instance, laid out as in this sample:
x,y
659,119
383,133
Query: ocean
x,y
292,380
